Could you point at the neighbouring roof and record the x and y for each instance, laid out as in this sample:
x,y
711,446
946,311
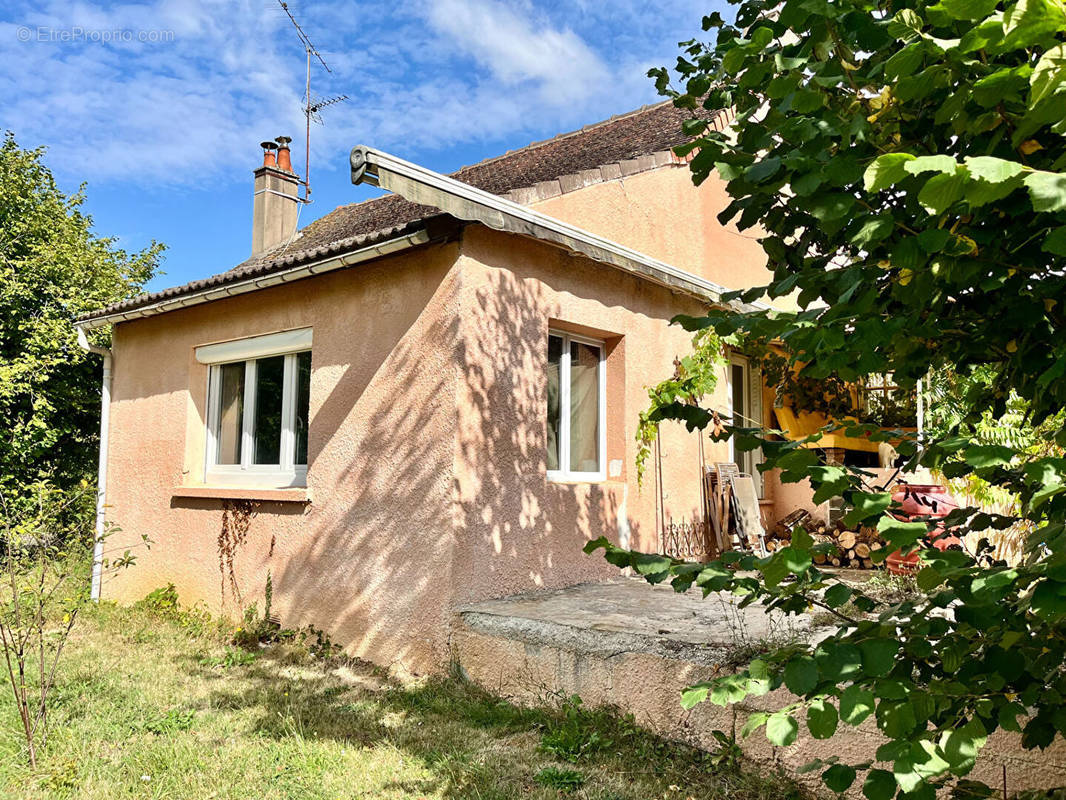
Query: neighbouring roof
x,y
622,142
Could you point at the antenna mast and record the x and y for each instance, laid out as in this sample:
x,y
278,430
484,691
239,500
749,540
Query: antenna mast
x,y
311,107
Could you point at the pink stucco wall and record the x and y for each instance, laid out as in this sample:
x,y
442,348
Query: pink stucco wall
x,y
427,442
369,559
661,213
521,531
427,474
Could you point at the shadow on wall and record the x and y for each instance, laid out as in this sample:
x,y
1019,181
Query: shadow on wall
x,y
428,461
520,531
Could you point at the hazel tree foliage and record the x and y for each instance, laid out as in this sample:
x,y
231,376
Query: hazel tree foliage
x,y
903,167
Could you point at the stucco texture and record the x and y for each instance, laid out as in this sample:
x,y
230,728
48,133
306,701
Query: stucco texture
x,y
369,559
427,451
660,212
427,476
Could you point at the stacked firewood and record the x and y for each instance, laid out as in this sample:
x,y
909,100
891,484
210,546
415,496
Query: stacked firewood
x,y
854,549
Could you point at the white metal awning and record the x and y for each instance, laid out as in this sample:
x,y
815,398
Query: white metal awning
x,y
466,202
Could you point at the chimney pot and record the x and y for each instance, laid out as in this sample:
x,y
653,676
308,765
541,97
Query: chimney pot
x,y
284,158
269,157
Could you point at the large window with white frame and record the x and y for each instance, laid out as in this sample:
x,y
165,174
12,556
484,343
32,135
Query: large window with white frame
x,y
576,383
258,410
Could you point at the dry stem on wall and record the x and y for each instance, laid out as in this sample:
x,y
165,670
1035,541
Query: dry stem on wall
x,y
236,519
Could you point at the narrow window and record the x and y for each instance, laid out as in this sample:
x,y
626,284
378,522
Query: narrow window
x,y
576,437
230,415
258,420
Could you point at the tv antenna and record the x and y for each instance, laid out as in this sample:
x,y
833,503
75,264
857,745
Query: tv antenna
x,y
312,106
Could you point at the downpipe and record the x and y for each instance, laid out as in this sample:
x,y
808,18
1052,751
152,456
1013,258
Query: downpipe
x,y
101,472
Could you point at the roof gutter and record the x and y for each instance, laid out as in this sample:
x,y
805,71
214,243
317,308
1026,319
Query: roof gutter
x,y
252,284
466,202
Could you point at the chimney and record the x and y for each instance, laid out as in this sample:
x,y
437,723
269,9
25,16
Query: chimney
x,y
276,198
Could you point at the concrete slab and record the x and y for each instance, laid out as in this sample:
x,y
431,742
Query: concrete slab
x,y
633,646
629,615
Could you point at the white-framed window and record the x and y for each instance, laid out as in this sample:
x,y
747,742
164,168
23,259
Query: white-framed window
x,y
577,408
745,410
258,402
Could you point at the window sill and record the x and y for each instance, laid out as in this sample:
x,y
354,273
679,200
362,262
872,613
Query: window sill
x,y
577,480
299,495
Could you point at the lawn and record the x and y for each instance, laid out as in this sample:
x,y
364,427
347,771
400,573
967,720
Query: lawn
x,y
160,704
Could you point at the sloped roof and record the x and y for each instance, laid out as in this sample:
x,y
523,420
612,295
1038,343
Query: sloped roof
x,y
648,130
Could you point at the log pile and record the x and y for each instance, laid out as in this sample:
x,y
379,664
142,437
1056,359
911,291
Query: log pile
x,y
853,549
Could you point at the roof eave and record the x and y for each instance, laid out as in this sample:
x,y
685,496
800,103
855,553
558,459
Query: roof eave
x,y
297,272
466,202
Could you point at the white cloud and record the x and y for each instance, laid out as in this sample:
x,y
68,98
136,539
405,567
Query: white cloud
x,y
421,77
518,50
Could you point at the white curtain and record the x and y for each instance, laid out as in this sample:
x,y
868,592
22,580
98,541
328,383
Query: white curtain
x,y
584,408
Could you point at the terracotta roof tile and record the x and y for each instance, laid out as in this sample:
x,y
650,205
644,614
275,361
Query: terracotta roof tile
x,y
624,138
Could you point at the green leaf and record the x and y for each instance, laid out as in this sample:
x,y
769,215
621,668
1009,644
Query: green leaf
x,y
753,723
941,191
944,164
856,704
886,170
867,505
1049,600
933,240
801,675
1047,190
821,719
879,785
796,561
1029,21
774,570
801,540
993,170
828,207
1056,242
879,656
928,578
987,455
692,696
763,169
873,230
896,718
1003,86
967,9
901,534
1049,74
837,595
839,777
961,746
781,729
920,763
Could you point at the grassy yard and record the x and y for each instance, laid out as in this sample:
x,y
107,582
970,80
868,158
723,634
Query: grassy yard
x,y
160,705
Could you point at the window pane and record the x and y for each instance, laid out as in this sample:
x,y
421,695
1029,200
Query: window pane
x,y
739,412
584,408
555,355
303,404
230,414
266,423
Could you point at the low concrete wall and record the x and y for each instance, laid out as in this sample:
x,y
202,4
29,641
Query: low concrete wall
x,y
531,661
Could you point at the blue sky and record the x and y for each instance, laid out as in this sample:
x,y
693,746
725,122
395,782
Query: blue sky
x,y
159,106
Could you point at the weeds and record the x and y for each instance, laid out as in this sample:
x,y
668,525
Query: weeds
x,y
170,721
563,780
573,735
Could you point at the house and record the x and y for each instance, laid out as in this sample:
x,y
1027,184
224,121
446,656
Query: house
x,y
428,398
